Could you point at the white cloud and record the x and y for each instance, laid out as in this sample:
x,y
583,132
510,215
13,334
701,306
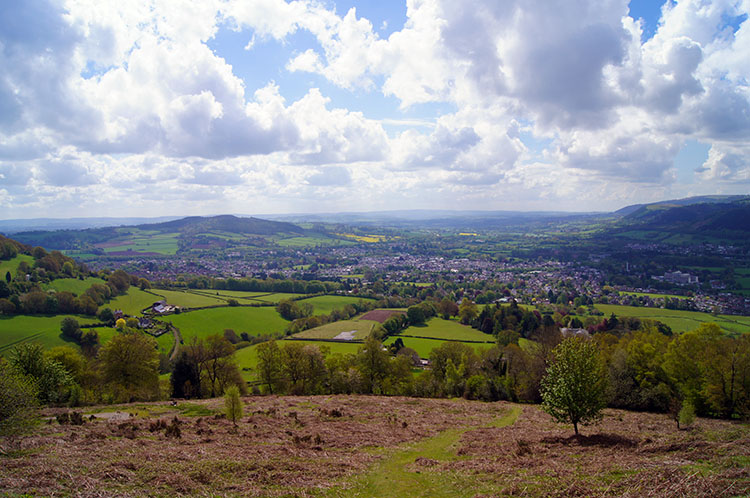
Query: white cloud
x,y
547,99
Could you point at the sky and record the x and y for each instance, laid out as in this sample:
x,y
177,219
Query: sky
x,y
169,107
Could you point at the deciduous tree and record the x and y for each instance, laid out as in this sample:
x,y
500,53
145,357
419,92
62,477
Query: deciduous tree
x,y
574,387
130,366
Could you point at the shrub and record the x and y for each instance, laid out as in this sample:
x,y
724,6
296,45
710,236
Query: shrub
x,y
173,429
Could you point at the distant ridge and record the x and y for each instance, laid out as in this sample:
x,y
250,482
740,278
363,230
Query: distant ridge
x,y
709,215
225,223
28,225
701,199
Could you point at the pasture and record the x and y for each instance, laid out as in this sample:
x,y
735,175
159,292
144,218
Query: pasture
x,y
230,294
247,297
45,330
143,241
202,323
11,265
361,329
73,285
653,295
679,321
310,242
133,302
447,330
187,299
323,305
424,347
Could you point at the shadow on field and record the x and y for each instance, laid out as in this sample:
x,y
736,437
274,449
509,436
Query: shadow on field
x,y
599,440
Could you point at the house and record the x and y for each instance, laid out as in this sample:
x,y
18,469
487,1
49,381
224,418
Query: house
x,y
161,307
571,332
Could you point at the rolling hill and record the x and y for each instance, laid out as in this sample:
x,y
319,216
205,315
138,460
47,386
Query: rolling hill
x,y
697,219
166,237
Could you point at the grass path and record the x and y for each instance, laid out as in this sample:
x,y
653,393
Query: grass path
x,y
394,476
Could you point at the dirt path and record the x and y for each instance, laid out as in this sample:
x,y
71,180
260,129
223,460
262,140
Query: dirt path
x,y
409,471
177,342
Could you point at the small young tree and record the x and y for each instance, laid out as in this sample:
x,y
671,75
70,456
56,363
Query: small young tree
x,y
233,404
574,387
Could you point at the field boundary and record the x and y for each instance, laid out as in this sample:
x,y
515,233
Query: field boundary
x,y
441,339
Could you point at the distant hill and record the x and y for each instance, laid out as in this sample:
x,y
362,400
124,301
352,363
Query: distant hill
x,y
161,238
715,217
688,201
224,223
48,224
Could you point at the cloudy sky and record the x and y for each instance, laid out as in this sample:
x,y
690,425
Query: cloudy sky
x,y
169,107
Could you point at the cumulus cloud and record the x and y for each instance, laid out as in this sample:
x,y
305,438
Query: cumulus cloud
x,y
330,176
104,96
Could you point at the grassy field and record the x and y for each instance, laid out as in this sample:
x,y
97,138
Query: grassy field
x,y
680,321
323,305
276,297
248,297
73,285
133,302
162,243
653,296
310,242
424,347
11,265
230,294
437,328
187,299
331,330
42,329
165,342
254,321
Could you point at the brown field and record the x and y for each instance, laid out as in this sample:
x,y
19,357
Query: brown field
x,y
340,445
380,315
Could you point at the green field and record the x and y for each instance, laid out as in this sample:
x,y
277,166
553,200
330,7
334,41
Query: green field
x,y
230,294
73,285
187,299
42,329
449,330
654,296
311,242
165,342
276,297
424,347
323,305
254,321
143,241
11,265
331,330
680,321
133,302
